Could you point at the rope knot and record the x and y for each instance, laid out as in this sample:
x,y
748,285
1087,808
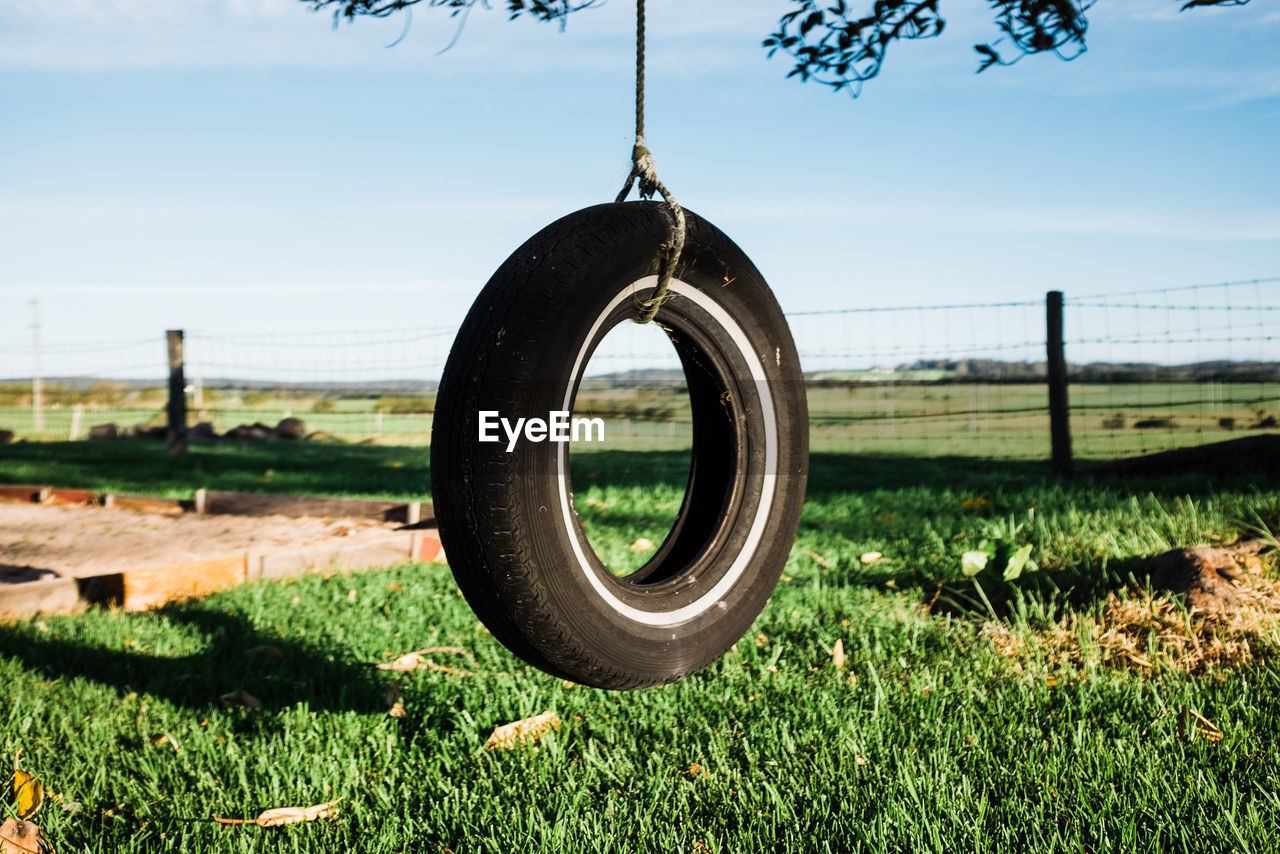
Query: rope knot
x,y
645,169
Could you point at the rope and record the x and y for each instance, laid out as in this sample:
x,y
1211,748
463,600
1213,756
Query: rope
x,y
643,167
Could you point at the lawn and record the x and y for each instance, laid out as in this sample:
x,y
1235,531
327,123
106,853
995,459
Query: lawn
x,y
951,728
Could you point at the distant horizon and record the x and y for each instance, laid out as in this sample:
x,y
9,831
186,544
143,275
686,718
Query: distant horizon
x,y
1138,371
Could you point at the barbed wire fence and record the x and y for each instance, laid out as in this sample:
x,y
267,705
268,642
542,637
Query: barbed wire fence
x,y
1148,369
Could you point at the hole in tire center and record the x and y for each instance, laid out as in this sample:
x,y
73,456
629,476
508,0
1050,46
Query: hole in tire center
x,y
628,488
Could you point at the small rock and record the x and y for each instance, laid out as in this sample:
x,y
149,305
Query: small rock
x,y
291,428
249,432
104,431
6,436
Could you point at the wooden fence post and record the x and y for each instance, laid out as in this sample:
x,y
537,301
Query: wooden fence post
x,y
176,435
1059,411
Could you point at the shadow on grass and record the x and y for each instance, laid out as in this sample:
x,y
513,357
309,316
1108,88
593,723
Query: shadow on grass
x,y
304,673
331,468
833,473
277,466
1039,596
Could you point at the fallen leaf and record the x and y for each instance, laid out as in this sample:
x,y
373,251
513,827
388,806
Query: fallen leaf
x,y
418,660
859,760
837,654
870,557
241,698
641,545
975,503
526,731
28,794
283,815
351,595
21,837
265,651
819,560
165,738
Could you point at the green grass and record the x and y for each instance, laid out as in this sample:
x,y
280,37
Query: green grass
x,y
929,741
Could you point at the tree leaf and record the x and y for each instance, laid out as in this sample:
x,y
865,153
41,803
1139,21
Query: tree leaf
x,y
526,731
989,56
283,815
1017,562
21,837
971,563
837,654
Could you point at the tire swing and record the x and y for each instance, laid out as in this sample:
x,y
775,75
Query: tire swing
x,y
507,518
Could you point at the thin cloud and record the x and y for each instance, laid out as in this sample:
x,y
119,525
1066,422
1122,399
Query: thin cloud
x,y
960,218
444,286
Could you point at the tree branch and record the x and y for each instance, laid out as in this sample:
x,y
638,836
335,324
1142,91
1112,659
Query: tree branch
x,y
830,44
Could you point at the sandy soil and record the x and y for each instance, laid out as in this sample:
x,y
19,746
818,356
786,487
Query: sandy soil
x,y
43,541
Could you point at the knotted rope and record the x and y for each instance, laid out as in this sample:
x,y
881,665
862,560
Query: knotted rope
x,y
643,168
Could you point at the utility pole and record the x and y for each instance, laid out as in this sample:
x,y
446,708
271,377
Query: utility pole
x,y
37,382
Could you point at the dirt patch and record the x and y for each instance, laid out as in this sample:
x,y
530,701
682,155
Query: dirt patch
x,y
1226,626
1208,576
38,540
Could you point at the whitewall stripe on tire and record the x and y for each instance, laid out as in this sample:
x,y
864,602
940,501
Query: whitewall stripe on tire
x,y
717,593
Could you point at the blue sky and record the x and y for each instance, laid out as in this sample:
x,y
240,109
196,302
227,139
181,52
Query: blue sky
x,y
242,166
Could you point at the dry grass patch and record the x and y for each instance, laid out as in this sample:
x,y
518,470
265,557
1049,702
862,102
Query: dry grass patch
x,y
1154,631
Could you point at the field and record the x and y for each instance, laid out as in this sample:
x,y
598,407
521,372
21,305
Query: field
x,y
958,726
1009,421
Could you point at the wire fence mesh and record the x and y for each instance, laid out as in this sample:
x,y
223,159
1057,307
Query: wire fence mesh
x,y
1167,368
1149,370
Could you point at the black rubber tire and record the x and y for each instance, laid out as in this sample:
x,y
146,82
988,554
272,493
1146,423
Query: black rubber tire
x,y
510,531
